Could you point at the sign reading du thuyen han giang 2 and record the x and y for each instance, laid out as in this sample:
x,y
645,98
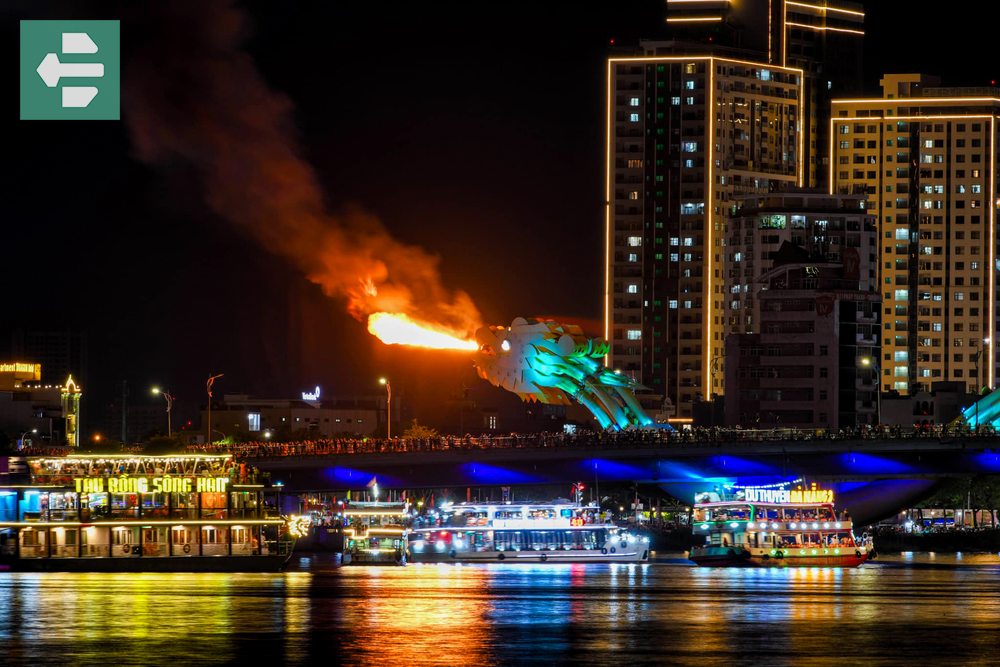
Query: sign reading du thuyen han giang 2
x,y
70,70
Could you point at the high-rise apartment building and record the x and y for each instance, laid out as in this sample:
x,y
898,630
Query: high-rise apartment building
x,y
686,136
822,38
925,157
829,228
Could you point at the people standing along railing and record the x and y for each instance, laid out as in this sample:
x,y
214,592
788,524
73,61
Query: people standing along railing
x,y
637,439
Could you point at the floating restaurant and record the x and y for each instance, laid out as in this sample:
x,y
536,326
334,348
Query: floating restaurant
x,y
139,513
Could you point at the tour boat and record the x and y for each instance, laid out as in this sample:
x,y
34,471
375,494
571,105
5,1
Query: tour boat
x,y
774,527
375,533
525,533
128,513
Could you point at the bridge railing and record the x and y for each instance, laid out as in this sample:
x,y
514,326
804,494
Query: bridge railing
x,y
639,439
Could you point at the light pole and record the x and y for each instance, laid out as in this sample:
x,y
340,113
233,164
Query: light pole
x,y
388,407
21,440
868,363
170,405
208,388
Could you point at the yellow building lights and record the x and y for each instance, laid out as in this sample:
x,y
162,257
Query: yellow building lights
x,y
823,9
822,28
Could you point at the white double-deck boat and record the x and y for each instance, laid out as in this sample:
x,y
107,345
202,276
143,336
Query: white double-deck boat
x,y
525,533
777,528
375,533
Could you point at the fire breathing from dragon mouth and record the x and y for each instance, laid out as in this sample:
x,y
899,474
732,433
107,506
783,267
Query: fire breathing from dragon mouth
x,y
398,329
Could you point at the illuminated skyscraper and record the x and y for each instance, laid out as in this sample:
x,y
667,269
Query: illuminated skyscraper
x,y
686,134
822,38
736,105
926,159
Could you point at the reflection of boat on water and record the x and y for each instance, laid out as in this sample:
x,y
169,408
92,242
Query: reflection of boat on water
x,y
526,533
375,533
775,527
130,513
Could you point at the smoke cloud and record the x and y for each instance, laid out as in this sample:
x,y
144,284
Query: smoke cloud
x,y
193,96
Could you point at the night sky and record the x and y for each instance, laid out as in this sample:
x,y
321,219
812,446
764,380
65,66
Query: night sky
x,y
474,130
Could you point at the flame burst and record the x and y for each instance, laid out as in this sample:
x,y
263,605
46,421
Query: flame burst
x,y
398,329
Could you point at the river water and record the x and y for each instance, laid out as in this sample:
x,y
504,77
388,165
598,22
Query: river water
x,y
915,609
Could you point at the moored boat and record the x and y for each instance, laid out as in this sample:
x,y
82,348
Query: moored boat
x,y
130,513
375,533
774,527
525,533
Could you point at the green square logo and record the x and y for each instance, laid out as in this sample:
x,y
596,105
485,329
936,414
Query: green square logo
x,y
70,70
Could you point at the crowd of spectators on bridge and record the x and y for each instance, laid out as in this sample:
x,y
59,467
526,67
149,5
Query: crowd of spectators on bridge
x,y
627,439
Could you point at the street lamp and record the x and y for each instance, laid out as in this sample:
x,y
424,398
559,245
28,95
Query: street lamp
x,y
388,407
170,405
267,435
868,362
21,440
208,388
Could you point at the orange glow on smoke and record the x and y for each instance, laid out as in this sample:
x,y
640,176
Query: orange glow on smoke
x,y
393,329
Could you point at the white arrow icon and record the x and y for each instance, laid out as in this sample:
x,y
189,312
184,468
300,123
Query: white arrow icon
x,y
51,70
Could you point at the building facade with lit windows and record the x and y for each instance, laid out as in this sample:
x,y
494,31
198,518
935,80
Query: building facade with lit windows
x,y
829,228
925,157
686,136
822,38
814,361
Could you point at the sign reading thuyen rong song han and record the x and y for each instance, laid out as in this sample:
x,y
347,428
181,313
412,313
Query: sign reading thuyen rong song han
x,y
160,484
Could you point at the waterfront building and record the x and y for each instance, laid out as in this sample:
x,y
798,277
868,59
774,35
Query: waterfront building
x,y
831,228
37,413
686,135
320,417
814,361
925,157
940,406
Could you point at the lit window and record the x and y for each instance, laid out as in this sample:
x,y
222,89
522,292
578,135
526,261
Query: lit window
x,y
634,102
634,117
689,146
634,334
633,195
676,100
635,241
632,289
673,303
689,84
253,420
632,257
